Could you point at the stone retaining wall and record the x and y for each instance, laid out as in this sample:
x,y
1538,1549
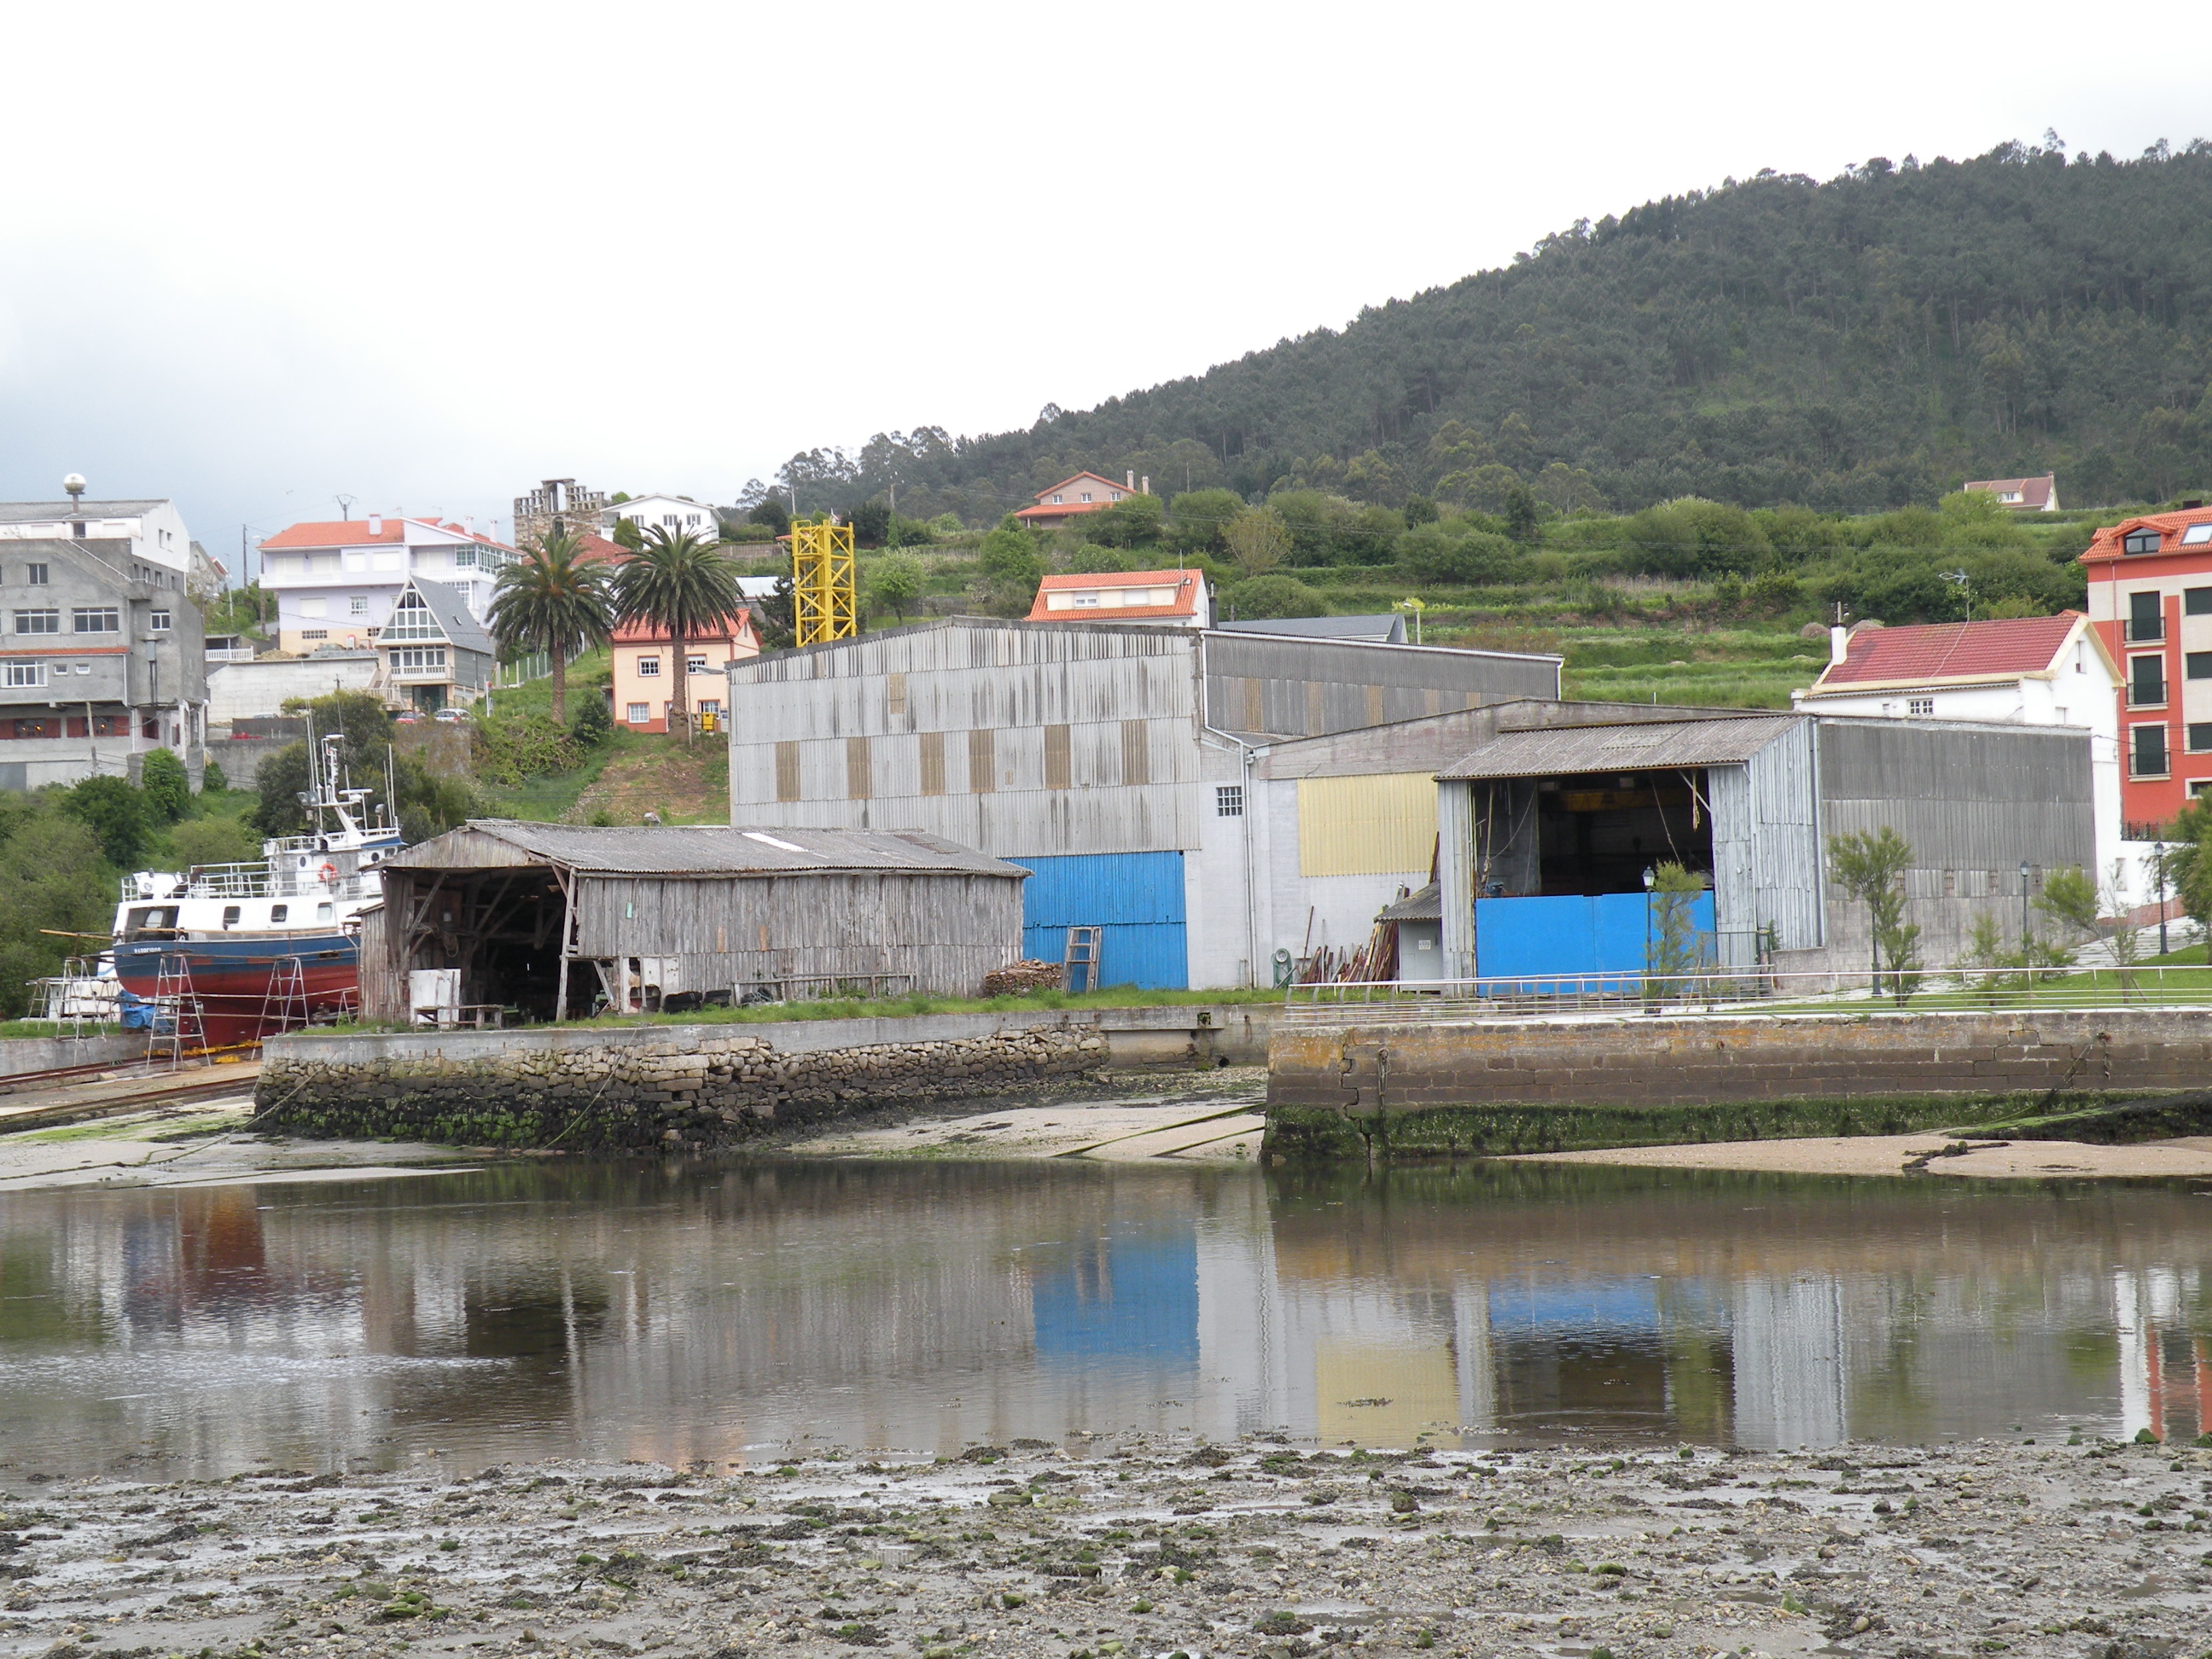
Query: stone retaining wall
x,y
1493,1087
689,1087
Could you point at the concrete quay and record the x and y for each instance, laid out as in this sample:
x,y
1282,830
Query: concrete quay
x,y
691,1087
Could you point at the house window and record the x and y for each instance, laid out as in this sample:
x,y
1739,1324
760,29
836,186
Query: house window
x,y
411,619
1058,500
648,668
1085,599
2200,737
2198,665
2139,540
38,622
316,608
157,622
357,606
1087,496
26,673
2147,745
695,664
2145,681
668,521
637,713
315,632
37,575
1229,800
2146,618
464,558
1920,706
419,659
2197,535
2196,601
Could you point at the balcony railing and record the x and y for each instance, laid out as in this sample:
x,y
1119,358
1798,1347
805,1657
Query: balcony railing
x,y
2145,631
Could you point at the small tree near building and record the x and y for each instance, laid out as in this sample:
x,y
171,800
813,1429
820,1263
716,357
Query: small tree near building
x,y
1870,868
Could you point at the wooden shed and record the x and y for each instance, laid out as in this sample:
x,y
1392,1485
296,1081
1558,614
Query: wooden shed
x,y
541,917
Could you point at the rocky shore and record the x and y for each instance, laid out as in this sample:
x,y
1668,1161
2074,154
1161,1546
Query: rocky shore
x,y
1136,1547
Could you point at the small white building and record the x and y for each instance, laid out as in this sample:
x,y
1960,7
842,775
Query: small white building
x,y
336,583
2026,670
677,514
255,688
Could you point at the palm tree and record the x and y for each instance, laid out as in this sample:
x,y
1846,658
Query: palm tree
x,y
682,584
551,600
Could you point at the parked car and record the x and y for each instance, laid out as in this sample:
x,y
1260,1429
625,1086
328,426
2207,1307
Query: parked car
x,y
454,716
407,717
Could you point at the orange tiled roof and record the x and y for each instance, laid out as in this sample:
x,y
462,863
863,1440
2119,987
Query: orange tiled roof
x,y
737,626
1185,584
1952,651
2106,544
354,533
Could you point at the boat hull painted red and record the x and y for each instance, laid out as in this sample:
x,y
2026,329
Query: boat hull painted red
x,y
240,980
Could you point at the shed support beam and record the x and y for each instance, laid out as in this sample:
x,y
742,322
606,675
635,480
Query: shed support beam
x,y
1456,875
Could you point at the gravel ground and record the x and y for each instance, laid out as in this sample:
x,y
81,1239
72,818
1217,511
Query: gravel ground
x,y
1139,1548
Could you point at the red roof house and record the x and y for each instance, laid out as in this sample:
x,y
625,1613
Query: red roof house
x,y
1071,498
1951,653
2150,601
2030,495
1175,597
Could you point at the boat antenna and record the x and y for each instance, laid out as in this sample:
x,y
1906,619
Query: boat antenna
x,y
391,811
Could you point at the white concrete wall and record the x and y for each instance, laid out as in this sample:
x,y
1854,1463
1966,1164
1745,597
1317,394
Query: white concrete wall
x,y
253,690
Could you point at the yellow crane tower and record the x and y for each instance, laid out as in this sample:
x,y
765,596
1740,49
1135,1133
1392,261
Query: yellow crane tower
x,y
822,607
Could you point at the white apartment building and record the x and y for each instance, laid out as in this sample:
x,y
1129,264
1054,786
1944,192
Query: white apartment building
x,y
146,539
674,513
336,583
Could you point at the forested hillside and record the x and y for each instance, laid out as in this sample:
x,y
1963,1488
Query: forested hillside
x,y
1853,346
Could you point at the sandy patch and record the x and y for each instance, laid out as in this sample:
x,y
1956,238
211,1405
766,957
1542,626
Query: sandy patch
x,y
1889,1155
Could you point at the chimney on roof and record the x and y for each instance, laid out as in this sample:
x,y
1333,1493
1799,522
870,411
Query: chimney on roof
x,y
1145,484
1839,645
376,524
1133,477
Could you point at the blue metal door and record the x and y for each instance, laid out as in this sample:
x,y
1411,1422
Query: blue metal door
x,y
1135,897
1603,934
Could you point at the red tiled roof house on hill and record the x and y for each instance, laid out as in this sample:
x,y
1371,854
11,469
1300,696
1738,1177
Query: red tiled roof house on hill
x,y
1071,498
2029,495
1179,598
336,583
2150,601
2026,670
644,668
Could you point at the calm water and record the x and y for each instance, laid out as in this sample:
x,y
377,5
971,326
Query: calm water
x,y
736,1314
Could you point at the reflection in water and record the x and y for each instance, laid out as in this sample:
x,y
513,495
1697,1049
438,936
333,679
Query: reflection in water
x,y
727,1313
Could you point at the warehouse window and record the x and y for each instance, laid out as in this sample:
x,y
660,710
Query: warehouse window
x,y
857,781
2147,748
787,771
932,762
1136,751
1229,800
1059,758
982,765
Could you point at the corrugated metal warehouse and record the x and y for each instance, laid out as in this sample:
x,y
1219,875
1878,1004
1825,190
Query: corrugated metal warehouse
x,y
1113,761
542,916
1539,829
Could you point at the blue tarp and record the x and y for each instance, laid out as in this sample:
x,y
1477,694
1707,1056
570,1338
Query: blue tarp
x,y
1602,933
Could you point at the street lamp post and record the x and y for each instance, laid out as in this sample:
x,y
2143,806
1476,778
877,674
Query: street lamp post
x,y
2023,906
2161,897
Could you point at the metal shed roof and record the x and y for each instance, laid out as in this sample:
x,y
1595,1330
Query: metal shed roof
x,y
1422,904
1562,751
712,849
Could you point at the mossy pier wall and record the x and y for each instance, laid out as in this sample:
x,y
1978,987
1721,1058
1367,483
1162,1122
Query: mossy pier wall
x,y
692,1087
1474,1087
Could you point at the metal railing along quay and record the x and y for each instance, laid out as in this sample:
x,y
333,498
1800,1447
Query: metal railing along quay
x,y
1744,991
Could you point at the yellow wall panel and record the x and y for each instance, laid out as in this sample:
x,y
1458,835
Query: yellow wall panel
x,y
1380,826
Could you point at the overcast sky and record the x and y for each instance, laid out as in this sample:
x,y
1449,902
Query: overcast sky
x,y
254,256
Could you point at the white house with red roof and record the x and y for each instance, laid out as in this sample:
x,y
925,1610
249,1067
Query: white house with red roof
x,y
2024,670
2029,495
1071,498
336,581
1179,598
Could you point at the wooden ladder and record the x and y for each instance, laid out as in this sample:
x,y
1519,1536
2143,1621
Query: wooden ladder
x,y
1081,955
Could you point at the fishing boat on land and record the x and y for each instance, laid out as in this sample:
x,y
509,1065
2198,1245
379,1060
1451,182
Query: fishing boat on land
x,y
244,951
